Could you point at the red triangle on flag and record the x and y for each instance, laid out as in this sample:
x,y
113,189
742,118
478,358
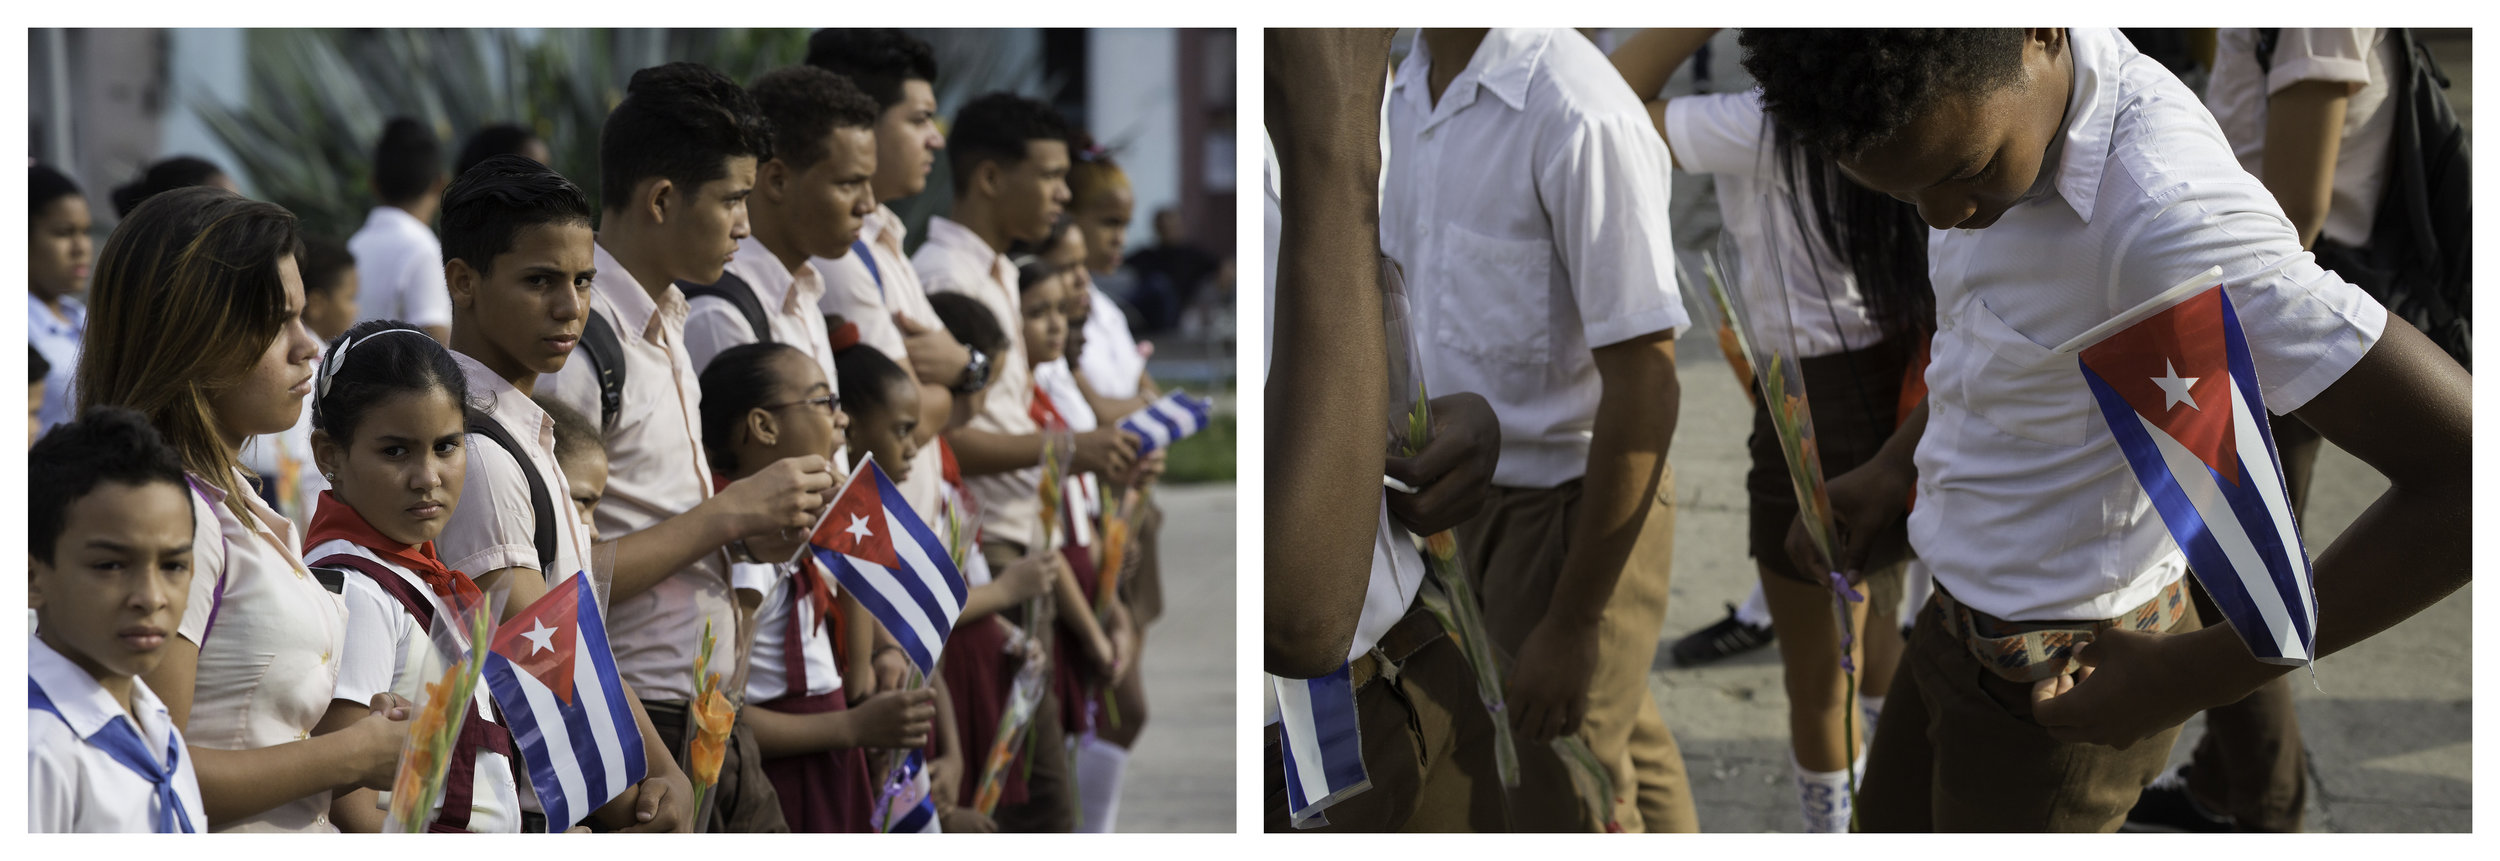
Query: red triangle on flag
x,y
856,526
2174,368
540,641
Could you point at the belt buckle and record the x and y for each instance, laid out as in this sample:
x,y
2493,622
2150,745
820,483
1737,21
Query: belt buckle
x,y
1387,669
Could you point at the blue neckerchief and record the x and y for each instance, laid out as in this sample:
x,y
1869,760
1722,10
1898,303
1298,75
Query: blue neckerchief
x,y
120,741
860,247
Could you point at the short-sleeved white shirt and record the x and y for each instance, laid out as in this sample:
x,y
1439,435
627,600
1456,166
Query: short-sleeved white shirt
x,y
494,527
1529,209
73,785
656,470
268,665
2238,92
955,260
399,270
2026,507
1053,378
387,650
1797,294
59,338
1112,363
869,300
768,676
789,299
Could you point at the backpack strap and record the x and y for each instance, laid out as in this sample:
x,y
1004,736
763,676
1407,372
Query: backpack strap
x,y
607,365
476,733
859,248
542,502
739,295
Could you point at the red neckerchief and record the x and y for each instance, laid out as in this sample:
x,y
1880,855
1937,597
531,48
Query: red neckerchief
x,y
334,519
1044,412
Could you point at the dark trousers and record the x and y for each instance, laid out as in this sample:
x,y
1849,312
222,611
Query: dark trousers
x,y
1050,800
743,802
1958,750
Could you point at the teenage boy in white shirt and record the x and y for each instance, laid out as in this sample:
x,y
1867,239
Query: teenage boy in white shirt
x,y
677,161
399,263
110,574
1526,196
2070,179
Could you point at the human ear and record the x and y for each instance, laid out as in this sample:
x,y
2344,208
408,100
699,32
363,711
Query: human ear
x,y
987,177
658,197
328,453
463,282
762,428
772,179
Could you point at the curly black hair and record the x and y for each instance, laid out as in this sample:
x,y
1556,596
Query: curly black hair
x,y
681,121
878,59
1842,91
805,104
486,208
999,127
106,444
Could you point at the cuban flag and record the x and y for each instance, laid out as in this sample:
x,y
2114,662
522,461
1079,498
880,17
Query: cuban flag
x,y
881,552
551,672
2181,396
1168,420
1323,744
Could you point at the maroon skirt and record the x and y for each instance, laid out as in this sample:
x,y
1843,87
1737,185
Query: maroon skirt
x,y
978,676
824,792
1070,677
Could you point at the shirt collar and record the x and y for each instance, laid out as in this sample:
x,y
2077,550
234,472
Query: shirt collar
x,y
39,314
873,230
773,283
395,218
83,702
634,305
953,238
2091,116
1503,65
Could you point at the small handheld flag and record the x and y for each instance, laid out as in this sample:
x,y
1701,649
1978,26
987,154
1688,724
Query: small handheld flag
x,y
2180,395
551,671
1168,420
884,555
1323,744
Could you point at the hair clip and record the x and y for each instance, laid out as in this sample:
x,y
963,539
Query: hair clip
x,y
338,357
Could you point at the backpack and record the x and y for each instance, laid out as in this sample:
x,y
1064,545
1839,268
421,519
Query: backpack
x,y
542,503
607,365
2419,259
740,296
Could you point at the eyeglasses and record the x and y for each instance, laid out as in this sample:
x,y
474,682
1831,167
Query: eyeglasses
x,y
830,404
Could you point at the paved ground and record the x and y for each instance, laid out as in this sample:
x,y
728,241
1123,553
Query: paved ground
x,y
2389,725
1181,776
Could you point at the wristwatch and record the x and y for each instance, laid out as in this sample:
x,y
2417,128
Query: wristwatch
x,y
976,372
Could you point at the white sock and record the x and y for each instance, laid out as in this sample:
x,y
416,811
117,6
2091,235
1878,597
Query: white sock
x,y
1822,798
1099,767
1755,611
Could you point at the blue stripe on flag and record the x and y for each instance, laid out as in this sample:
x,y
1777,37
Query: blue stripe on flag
x,y
885,612
2251,508
628,736
503,679
930,548
1326,706
1168,420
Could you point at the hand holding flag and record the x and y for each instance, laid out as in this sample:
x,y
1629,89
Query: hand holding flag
x,y
1170,419
884,555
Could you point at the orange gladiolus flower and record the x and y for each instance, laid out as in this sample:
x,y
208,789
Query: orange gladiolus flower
x,y
713,715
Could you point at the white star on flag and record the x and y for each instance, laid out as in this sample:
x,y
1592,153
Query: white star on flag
x,y
541,637
2174,388
859,528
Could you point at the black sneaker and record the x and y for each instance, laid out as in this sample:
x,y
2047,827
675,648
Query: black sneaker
x,y
2166,807
1724,638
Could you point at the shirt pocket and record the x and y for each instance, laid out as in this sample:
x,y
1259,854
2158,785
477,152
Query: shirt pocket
x,y
2018,386
1504,314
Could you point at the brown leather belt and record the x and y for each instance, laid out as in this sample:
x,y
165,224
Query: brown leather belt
x,y
2030,651
1417,630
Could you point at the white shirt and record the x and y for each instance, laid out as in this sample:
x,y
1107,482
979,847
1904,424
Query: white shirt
x,y
268,665
1397,571
1798,295
2026,507
768,677
399,270
74,786
955,260
1529,209
789,299
1111,363
494,527
2356,55
58,340
656,470
387,651
1053,379
869,300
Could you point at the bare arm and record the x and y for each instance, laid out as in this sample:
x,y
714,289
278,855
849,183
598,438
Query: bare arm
x,y
786,495
1649,58
981,452
2304,130
1328,375
525,587
1636,414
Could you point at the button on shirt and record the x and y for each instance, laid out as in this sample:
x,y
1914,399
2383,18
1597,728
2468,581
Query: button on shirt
x,y
386,650
270,660
72,785
868,300
2026,507
494,527
1798,295
955,260
57,337
656,470
2351,55
399,270
1529,209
